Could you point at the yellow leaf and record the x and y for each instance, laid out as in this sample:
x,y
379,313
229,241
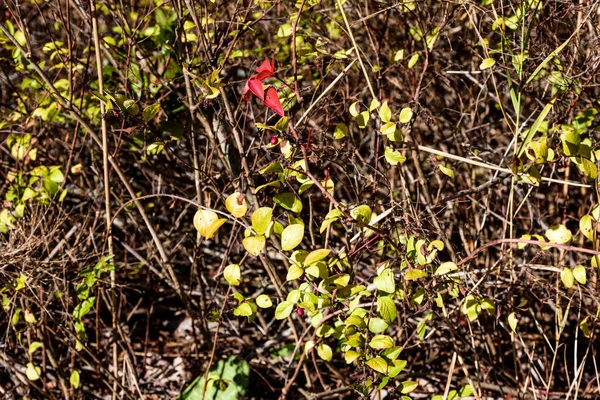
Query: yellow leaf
x,y
236,207
292,236
254,244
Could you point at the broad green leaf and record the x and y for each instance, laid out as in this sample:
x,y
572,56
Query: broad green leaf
x,y
374,104
288,201
264,301
380,342
567,278
243,310
377,325
393,157
512,321
325,352
33,347
254,244
487,63
413,60
378,364
446,171
232,274
350,356
586,226
414,274
284,30
405,115
292,236
558,234
385,281
284,309
74,379
207,223
236,204
294,272
317,270
535,127
446,267
396,368
341,131
361,213
316,255
579,274
386,308
362,119
571,141
33,373
261,218
385,113
407,387
354,109
150,112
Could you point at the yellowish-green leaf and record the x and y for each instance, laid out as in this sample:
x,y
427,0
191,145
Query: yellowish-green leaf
x,y
487,63
446,267
406,115
74,379
385,281
567,278
264,301
254,244
236,204
586,226
386,308
559,234
292,236
261,218
341,131
33,347
350,356
407,387
207,223
446,171
393,157
413,60
284,309
414,274
232,274
378,364
243,310
377,325
362,119
512,321
294,272
316,255
324,352
579,274
385,113
354,109
380,342
33,373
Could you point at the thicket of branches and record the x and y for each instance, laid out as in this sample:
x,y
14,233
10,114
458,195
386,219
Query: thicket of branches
x,y
463,133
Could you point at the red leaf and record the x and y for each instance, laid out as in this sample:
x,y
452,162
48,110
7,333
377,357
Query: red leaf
x,y
266,70
255,86
272,101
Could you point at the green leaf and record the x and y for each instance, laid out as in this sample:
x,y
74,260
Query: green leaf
x,y
341,131
414,274
377,325
446,267
413,60
579,274
354,109
386,308
232,274
350,356
150,112
261,218
362,119
292,236
325,352
33,373
385,113
294,272
264,301
396,368
316,255
558,234
288,201
405,115
534,127
284,30
378,364
381,342
512,321
254,244
571,141
284,309
487,63
393,157
33,347
447,171
407,387
243,310
227,380
385,281
567,278
74,379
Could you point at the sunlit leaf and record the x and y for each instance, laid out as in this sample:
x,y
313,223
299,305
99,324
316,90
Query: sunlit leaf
x,y
236,204
292,236
232,274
